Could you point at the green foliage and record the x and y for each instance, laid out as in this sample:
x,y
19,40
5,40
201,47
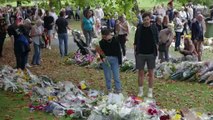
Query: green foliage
x,y
109,6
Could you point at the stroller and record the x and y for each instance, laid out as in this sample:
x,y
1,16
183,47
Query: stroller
x,y
78,39
84,55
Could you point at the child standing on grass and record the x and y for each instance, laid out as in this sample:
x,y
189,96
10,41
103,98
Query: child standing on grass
x,y
112,59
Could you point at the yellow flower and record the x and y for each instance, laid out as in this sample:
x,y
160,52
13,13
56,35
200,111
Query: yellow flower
x,y
83,86
187,36
52,98
176,117
198,114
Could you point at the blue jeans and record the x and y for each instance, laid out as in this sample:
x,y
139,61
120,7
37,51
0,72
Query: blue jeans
x,y
37,55
112,68
164,56
178,38
88,36
63,44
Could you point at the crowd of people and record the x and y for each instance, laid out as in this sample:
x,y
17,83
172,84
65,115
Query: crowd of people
x,y
31,25
171,25
156,30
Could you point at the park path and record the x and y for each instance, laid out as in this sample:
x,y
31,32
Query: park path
x,y
73,47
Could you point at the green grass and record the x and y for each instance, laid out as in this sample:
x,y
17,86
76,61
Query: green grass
x,y
168,94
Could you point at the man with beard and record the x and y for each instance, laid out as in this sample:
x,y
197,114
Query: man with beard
x,y
145,45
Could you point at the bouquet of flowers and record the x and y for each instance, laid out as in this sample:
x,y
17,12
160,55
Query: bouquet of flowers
x,y
127,65
95,45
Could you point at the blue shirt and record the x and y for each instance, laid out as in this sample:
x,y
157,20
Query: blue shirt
x,y
88,24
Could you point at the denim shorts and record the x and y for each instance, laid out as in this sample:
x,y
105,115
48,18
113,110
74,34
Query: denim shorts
x,y
50,32
145,59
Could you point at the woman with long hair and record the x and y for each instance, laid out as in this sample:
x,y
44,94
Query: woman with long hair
x,y
122,28
87,26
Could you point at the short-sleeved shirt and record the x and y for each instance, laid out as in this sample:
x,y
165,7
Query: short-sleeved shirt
x,y
48,20
62,25
87,23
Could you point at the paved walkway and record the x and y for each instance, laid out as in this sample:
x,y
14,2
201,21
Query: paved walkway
x,y
73,47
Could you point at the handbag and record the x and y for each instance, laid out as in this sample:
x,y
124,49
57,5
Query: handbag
x,y
42,41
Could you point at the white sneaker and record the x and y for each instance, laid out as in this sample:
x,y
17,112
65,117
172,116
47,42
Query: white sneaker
x,y
28,65
124,58
49,47
150,94
140,94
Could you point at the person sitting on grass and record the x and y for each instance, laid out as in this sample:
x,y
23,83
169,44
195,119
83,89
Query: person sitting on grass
x,y
189,50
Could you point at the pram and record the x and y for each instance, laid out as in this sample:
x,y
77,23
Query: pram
x,y
84,55
78,39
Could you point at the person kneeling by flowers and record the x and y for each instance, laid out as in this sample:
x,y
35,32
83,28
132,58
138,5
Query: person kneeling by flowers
x,y
189,50
112,59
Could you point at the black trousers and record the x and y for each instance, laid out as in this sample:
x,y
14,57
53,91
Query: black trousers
x,y
122,39
2,39
77,16
20,59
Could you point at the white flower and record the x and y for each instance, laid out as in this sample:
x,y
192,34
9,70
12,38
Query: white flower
x,y
95,42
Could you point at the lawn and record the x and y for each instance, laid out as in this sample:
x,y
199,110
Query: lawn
x,y
168,94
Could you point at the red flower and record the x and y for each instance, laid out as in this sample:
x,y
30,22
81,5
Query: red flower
x,y
79,87
155,111
152,111
30,105
165,117
82,101
70,112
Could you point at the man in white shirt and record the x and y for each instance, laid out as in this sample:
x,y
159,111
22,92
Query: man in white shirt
x,y
99,13
54,15
191,12
183,14
178,27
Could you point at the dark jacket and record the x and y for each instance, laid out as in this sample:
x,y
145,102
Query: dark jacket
x,y
111,48
138,37
197,31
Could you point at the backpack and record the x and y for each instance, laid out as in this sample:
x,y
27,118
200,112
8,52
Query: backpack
x,y
25,43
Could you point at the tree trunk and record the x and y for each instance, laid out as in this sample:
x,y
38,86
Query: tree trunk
x,y
50,3
136,7
60,6
18,3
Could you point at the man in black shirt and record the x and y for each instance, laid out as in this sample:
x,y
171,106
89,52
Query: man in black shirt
x,y
48,25
61,27
145,44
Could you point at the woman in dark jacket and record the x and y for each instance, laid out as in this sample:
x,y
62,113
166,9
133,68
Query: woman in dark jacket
x,y
111,59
